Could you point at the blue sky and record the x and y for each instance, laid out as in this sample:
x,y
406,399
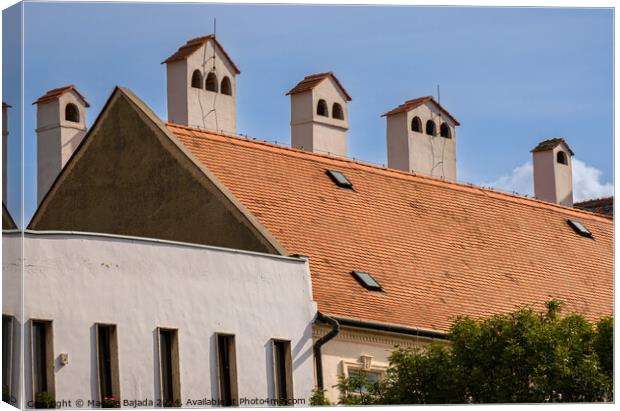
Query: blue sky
x,y
511,76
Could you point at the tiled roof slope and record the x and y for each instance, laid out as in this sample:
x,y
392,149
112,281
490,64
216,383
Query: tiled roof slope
x,y
311,81
416,102
598,205
57,92
194,44
439,249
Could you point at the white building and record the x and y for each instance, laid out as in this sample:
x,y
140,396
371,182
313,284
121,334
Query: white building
x,y
139,319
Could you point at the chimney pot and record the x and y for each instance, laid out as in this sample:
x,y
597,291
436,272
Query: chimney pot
x,y
553,172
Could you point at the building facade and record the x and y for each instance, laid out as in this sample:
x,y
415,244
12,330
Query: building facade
x,y
153,323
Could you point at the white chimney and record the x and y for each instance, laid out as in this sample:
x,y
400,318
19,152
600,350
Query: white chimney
x,y
553,172
61,126
319,115
201,86
421,138
5,141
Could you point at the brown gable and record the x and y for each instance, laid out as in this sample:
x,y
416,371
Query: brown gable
x,y
416,102
439,249
129,176
53,94
313,80
194,44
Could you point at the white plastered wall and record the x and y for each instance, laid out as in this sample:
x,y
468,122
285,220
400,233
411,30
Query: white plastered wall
x,y
78,280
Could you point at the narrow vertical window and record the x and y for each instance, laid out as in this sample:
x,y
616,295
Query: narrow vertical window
x,y
42,363
7,357
283,371
227,369
169,367
107,363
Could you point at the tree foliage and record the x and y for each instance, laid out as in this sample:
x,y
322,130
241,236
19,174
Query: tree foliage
x,y
524,356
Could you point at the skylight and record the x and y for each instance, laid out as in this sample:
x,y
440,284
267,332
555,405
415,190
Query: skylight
x,y
339,178
367,281
579,228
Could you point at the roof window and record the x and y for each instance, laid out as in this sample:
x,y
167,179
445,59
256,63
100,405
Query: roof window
x,y
339,178
579,228
367,281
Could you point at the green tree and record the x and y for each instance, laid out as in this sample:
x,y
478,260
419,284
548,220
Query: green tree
x,y
524,356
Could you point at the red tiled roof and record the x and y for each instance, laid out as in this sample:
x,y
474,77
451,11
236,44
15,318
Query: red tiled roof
x,y
439,249
598,205
194,44
53,94
311,81
416,102
551,144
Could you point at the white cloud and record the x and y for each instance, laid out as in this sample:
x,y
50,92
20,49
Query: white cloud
x,y
587,181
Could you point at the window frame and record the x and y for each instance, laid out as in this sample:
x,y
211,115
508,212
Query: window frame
x,y
175,371
114,361
375,367
49,357
232,369
288,370
10,353
333,175
358,275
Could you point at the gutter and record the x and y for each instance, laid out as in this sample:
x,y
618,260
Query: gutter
x,y
399,329
320,317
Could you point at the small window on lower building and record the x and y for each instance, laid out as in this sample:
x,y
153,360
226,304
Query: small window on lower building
x,y
362,379
107,364
42,349
227,369
169,367
283,371
7,357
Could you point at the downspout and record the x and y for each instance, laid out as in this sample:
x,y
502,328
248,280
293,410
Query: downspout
x,y
320,342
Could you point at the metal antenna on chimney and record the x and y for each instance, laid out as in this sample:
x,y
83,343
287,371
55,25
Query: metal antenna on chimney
x,y
438,95
214,27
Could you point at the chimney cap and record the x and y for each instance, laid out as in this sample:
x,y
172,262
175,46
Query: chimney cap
x,y
55,93
193,45
551,144
5,105
311,81
416,102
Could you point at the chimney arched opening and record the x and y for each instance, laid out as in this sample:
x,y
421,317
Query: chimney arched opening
x,y
337,112
211,82
226,87
72,113
321,108
431,128
416,124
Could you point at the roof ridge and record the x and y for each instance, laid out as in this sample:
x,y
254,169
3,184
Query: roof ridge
x,y
319,157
